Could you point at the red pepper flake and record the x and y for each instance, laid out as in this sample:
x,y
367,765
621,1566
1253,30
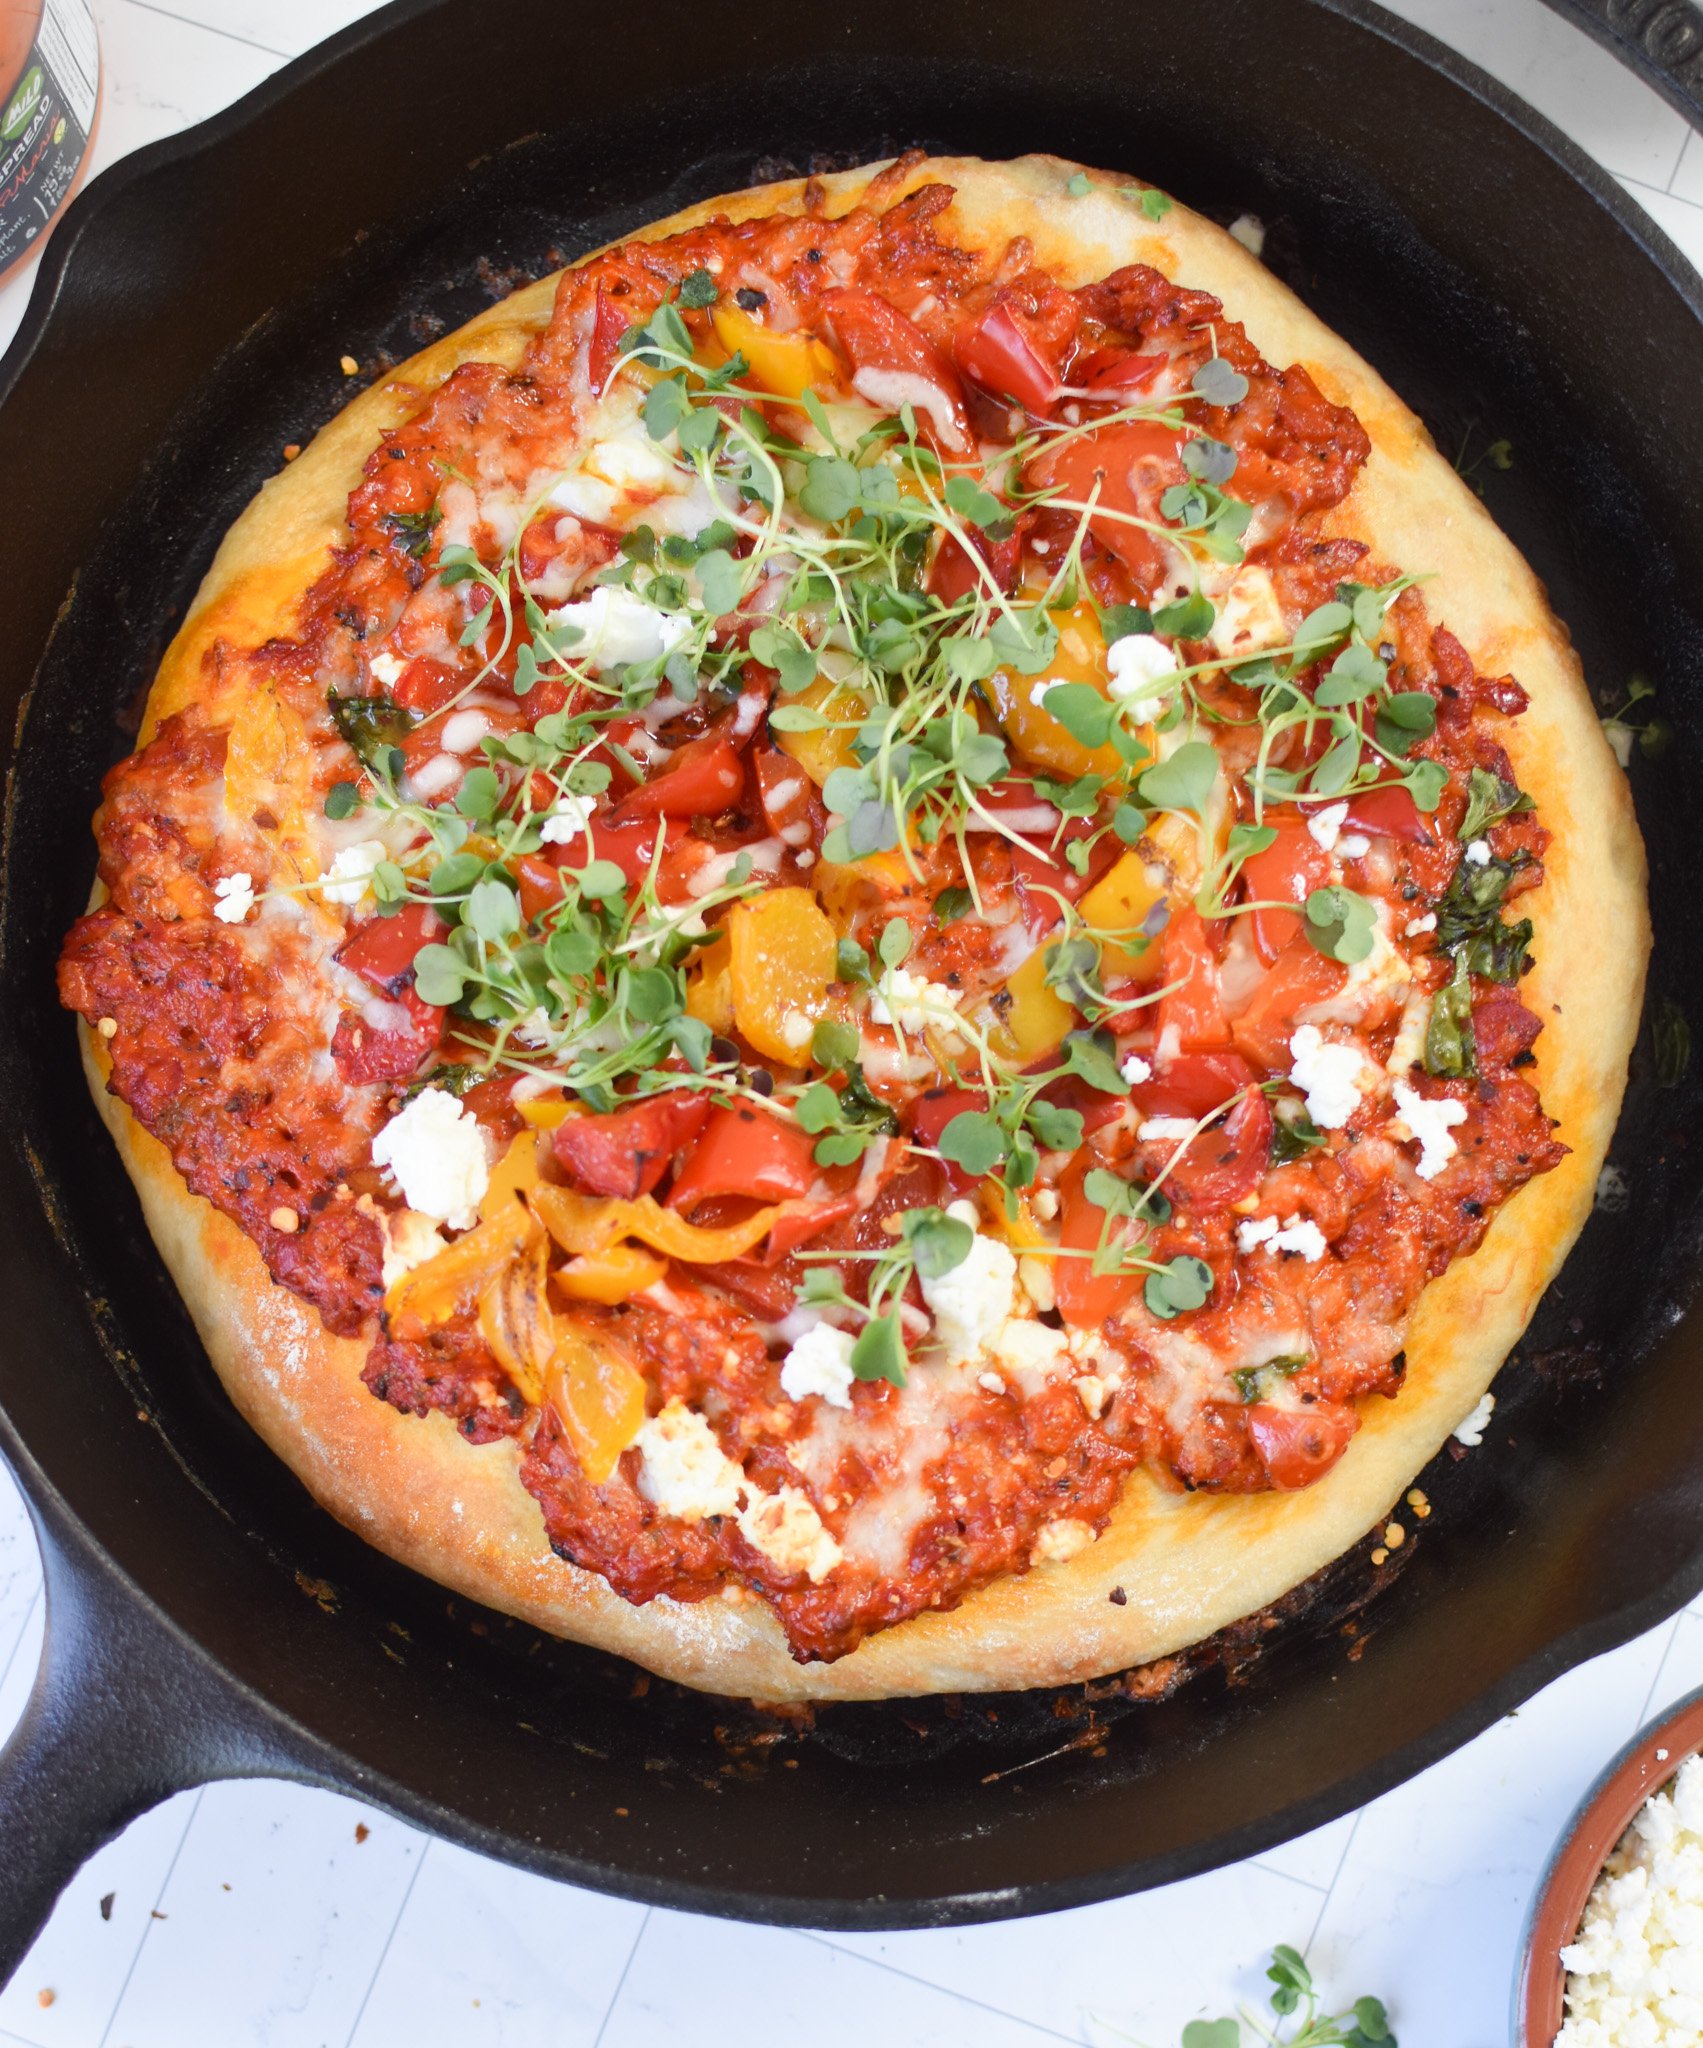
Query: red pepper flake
x,y
362,1831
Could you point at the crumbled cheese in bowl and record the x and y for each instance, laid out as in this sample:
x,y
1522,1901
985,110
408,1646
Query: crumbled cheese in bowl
x,y
1635,1973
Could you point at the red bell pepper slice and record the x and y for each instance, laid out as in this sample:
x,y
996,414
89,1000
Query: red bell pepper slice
x,y
805,1223
705,778
1193,1085
1086,1298
1389,813
1134,463
382,950
932,1112
1120,377
1226,1161
364,1054
426,686
894,363
746,1152
1288,871
626,1151
955,575
1191,1011
1299,1445
1300,977
997,351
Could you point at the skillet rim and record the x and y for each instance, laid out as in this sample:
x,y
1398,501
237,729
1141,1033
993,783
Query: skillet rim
x,y
319,1760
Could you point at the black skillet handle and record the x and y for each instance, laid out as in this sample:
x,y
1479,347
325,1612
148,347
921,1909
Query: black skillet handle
x,y
1661,39
122,1716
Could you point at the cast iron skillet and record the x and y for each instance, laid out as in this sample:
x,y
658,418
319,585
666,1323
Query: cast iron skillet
x,y
205,1620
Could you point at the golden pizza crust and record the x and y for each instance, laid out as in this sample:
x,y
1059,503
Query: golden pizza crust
x,y
1188,1564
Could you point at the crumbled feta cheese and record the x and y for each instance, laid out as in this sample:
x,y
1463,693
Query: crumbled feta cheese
x,y
1635,1971
685,1471
1061,1540
1477,853
1256,1231
1325,827
1249,230
1038,691
350,874
1136,665
386,669
435,1150
233,898
1427,1120
1471,1431
819,1364
1353,845
1299,1234
912,1002
1135,1070
1331,1076
798,1029
1035,1277
568,821
970,1303
1164,1127
990,1383
410,1239
1416,925
786,1528
617,627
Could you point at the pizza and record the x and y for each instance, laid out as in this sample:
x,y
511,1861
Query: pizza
x,y
877,948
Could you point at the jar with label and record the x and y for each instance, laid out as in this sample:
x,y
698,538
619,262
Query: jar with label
x,y
49,93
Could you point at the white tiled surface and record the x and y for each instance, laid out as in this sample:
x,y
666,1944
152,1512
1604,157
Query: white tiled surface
x,y
252,1914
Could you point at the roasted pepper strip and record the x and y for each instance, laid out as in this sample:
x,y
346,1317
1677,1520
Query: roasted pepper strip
x,y
587,1224
454,1278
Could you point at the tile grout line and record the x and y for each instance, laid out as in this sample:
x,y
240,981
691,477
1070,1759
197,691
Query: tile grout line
x,y
1684,145
1330,1889
621,1981
401,1908
1643,185
1656,1676
148,1924
18,1639
225,34
959,1997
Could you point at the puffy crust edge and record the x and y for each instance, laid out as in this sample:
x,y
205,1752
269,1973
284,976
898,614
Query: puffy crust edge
x,y
1188,1564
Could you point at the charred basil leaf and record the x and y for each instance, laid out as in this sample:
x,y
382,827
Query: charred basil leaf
x,y
1293,1137
412,531
1489,799
1469,919
1451,1053
371,725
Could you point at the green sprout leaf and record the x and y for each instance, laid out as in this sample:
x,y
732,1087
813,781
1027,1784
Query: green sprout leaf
x,y
1341,924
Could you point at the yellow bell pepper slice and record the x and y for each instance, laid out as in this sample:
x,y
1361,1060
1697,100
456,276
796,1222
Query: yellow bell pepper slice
x,y
1036,1019
709,986
1118,902
590,1224
600,1398
516,1320
516,1173
452,1280
782,954
786,364
544,1112
1034,733
826,748
611,1276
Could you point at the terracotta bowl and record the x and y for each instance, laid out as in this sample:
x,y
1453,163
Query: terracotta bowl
x,y
1646,1764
